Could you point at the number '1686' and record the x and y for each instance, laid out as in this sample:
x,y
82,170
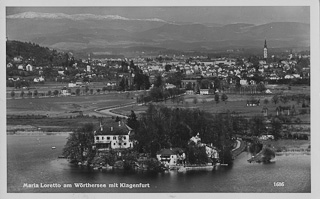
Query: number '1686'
x,y
278,184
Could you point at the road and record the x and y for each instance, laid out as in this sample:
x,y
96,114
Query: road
x,y
107,111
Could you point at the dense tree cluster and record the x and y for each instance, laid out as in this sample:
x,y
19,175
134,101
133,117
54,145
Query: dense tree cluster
x,y
79,147
162,127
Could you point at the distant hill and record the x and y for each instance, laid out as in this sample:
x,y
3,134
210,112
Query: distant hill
x,y
115,34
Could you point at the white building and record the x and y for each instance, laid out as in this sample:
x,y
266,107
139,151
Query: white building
x,y
113,137
29,67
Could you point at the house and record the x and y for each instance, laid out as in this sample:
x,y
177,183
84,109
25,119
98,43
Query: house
x,y
189,92
171,157
282,110
21,67
114,136
253,102
29,67
9,65
65,91
204,91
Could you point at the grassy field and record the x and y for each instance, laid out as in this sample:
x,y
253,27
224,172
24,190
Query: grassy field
x,y
63,111
235,103
66,106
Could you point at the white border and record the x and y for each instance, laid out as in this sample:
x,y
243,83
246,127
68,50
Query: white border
x,y
315,93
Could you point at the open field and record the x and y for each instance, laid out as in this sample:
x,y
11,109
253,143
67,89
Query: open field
x,y
236,103
27,125
66,106
65,112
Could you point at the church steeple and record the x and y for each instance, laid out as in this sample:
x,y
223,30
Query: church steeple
x,y
265,43
265,50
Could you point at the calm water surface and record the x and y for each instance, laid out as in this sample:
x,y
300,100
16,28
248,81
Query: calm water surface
x,y
32,160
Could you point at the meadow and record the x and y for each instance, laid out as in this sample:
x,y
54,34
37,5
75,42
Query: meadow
x,y
65,112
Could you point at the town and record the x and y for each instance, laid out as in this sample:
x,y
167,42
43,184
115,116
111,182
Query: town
x,y
182,79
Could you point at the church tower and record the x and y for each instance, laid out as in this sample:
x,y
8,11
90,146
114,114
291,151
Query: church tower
x,y
265,50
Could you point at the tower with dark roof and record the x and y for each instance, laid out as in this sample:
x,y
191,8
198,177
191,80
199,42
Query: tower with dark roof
x,y
265,50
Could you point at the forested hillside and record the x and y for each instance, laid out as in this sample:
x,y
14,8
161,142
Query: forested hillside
x,y
34,54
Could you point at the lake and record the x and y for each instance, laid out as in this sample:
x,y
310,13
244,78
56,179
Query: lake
x,y
32,161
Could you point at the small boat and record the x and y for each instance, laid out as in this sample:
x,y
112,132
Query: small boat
x,y
53,147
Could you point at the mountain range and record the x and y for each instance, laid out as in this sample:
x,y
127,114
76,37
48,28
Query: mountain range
x,y
115,34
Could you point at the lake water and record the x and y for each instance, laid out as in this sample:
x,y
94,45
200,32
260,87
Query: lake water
x,y
32,160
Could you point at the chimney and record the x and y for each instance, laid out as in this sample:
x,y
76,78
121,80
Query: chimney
x,y
111,128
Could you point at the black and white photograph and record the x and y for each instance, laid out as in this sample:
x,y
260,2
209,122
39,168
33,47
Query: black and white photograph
x,y
165,98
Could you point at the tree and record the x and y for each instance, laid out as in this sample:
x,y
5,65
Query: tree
x,y
284,99
86,89
12,94
276,126
156,94
22,94
195,100
224,97
275,99
132,121
35,93
91,91
29,94
122,84
158,83
167,67
79,146
55,92
204,84
257,126
266,101
189,86
261,87
78,91
49,93
216,98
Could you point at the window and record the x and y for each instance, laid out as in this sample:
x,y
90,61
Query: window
x,y
114,138
97,138
114,143
125,143
119,144
108,138
124,137
102,138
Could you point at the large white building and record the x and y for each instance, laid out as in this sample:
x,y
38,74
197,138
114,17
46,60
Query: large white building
x,y
115,136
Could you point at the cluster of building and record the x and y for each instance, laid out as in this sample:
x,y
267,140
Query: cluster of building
x,y
118,136
191,67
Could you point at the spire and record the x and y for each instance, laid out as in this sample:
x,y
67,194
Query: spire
x,y
265,43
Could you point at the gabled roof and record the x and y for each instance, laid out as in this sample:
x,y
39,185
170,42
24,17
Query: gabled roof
x,y
114,129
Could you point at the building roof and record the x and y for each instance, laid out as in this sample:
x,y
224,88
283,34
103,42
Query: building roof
x,y
173,151
114,129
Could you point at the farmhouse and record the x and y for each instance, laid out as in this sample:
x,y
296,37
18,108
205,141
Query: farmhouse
x,y
116,136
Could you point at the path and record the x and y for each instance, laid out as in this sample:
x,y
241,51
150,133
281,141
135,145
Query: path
x,y
241,145
107,110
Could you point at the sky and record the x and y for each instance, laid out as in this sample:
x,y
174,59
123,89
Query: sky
x,y
213,14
